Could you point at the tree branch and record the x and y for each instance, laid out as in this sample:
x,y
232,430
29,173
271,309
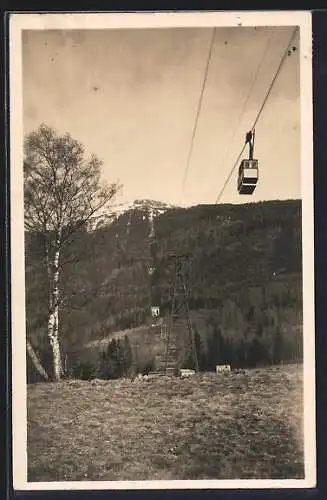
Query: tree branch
x,y
35,360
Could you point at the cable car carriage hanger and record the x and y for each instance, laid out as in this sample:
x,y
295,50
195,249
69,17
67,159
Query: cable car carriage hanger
x,y
248,172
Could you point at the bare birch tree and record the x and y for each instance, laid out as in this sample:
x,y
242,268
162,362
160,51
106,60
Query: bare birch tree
x,y
63,193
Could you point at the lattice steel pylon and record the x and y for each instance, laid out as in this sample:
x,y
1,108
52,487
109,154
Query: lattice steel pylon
x,y
180,305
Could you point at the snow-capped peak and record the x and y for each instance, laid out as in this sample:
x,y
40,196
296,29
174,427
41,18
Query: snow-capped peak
x,y
152,206
151,209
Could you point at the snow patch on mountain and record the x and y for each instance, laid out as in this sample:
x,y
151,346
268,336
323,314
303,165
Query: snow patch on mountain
x,y
150,209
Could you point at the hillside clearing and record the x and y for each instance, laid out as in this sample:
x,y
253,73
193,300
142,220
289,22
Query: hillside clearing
x,y
238,425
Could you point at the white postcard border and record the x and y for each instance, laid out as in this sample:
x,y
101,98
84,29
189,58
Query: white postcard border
x,y
19,22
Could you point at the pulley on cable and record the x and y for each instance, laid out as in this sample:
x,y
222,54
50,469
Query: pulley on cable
x,y
248,172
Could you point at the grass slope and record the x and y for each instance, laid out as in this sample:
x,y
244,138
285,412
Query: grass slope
x,y
239,425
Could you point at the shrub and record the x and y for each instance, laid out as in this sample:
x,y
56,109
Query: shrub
x,y
144,360
84,370
116,360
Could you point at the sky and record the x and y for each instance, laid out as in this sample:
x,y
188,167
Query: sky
x,y
131,97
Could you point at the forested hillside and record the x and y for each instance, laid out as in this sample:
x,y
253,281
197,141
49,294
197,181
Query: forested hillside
x,y
245,283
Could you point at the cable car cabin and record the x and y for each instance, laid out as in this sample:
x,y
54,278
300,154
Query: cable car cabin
x,y
248,174
155,312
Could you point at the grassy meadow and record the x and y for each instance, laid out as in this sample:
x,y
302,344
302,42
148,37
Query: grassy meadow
x,y
238,425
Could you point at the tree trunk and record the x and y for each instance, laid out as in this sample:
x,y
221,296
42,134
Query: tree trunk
x,y
53,321
35,360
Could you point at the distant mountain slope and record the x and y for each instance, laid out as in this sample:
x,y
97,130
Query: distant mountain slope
x,y
142,205
249,255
